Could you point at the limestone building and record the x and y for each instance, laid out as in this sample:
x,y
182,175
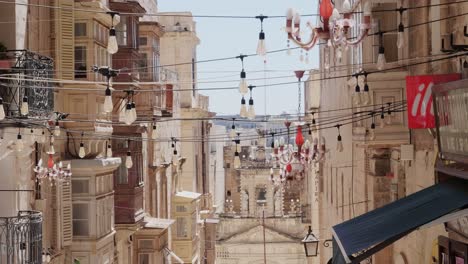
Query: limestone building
x,y
382,165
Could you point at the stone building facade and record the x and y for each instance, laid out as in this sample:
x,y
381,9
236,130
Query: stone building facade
x,y
374,171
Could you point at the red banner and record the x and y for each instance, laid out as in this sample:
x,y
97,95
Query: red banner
x,y
419,98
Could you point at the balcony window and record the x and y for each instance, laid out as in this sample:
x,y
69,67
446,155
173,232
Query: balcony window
x,y
80,219
143,41
80,62
122,173
80,29
144,258
122,31
80,186
181,226
388,22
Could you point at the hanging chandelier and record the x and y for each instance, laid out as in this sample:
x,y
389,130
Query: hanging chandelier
x,y
334,28
53,171
292,161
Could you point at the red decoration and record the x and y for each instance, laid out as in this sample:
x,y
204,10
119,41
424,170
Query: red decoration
x,y
289,167
326,9
419,97
50,162
299,137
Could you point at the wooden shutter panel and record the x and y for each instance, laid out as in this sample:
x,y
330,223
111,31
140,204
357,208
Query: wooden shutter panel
x,y
66,206
63,38
55,241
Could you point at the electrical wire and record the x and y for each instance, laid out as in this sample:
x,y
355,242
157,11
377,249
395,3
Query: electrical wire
x,y
205,16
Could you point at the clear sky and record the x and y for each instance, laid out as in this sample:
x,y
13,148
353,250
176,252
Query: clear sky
x,y
230,37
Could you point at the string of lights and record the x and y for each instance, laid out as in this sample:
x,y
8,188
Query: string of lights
x,y
447,57
213,16
279,132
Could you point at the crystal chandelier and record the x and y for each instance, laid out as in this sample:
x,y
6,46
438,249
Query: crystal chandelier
x,y
291,160
334,28
55,173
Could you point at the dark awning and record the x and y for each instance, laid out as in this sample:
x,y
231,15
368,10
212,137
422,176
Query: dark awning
x,y
365,235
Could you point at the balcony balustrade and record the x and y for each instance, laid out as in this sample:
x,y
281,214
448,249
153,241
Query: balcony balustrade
x,y
21,238
27,74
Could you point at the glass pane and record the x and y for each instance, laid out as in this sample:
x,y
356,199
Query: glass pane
x,y
144,259
80,212
80,62
80,186
143,41
122,173
80,29
80,228
121,31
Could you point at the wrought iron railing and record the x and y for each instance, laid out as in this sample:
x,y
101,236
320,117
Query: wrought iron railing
x,y
28,75
21,238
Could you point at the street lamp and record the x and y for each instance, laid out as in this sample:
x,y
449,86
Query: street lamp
x,y
310,244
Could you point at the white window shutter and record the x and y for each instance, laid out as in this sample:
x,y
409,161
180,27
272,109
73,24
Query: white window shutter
x,y
66,206
63,38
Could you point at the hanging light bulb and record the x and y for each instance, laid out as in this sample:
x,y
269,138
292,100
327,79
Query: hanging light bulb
x,y
128,160
339,144
401,30
108,106
109,150
19,145
357,93
232,133
389,120
2,110
251,112
346,6
154,134
243,109
57,129
365,95
112,45
401,36
128,114
243,89
372,130
382,119
261,47
24,110
82,152
381,57
237,161
32,137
